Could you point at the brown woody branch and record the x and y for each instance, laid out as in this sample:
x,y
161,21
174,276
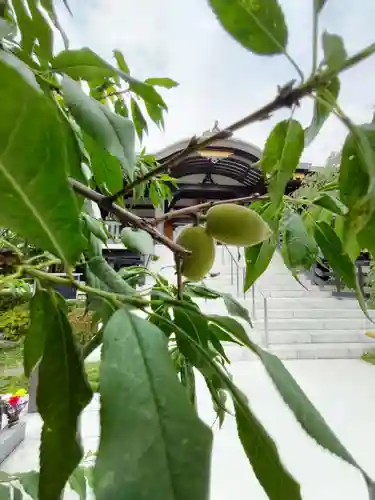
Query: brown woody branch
x,y
287,96
203,206
126,217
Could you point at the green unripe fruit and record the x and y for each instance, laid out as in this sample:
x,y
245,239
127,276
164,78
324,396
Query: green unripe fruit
x,y
197,264
236,225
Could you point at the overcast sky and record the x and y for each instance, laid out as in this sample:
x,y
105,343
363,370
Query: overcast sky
x,y
220,80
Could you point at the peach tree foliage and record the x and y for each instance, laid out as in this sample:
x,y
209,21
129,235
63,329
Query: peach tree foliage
x,y
68,125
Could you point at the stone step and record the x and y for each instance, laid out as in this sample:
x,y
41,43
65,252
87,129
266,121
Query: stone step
x,y
309,302
352,350
315,313
315,336
326,324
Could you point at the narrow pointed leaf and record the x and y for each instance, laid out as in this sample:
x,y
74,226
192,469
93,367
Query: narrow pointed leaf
x,y
107,275
334,50
167,446
306,414
29,482
120,59
5,492
77,482
319,4
63,392
257,259
235,308
82,63
106,168
43,212
42,31
333,250
331,203
258,26
331,246
325,97
167,83
139,120
112,132
24,24
281,156
232,326
304,411
138,240
299,249
34,341
263,455
95,227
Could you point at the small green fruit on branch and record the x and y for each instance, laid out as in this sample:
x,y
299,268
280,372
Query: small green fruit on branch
x,y
128,218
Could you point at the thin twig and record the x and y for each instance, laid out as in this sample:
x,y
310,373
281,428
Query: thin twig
x,y
202,206
126,217
287,97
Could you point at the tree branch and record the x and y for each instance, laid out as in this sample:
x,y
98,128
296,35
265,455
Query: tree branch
x,y
202,206
287,96
125,216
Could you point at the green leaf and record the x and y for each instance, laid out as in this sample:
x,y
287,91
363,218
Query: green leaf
x,y
334,50
96,227
30,482
306,414
43,212
167,447
235,308
112,132
299,249
120,59
17,494
325,97
6,28
263,455
319,4
257,259
63,392
25,26
147,92
167,83
331,246
232,326
257,25
107,275
42,31
77,482
195,326
106,168
331,203
139,120
34,340
138,240
82,63
155,113
281,156
357,162
5,492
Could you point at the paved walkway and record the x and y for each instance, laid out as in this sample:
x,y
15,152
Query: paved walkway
x,y
344,392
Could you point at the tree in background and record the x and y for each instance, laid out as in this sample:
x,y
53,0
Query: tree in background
x,y
67,129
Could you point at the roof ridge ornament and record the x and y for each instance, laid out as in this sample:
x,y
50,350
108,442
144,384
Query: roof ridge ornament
x,y
212,130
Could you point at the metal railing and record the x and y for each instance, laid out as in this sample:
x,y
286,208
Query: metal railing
x,y
114,228
240,272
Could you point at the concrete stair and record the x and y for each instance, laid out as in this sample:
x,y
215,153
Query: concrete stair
x,y
290,320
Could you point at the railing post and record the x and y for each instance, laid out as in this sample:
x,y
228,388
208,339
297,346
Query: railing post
x,y
265,309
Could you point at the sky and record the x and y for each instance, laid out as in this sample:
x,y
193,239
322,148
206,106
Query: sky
x,y
218,78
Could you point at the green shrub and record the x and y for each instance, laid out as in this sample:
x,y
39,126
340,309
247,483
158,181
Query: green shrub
x,y
81,320
14,323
